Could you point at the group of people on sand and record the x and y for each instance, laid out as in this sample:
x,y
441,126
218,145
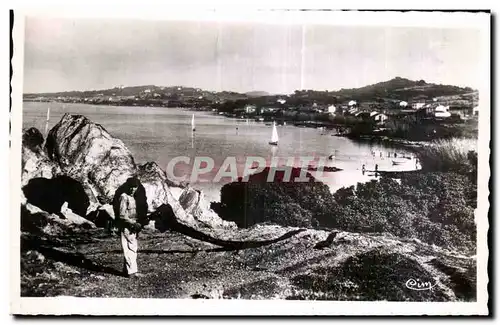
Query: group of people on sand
x,y
391,155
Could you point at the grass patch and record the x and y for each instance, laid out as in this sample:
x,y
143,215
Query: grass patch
x,y
457,155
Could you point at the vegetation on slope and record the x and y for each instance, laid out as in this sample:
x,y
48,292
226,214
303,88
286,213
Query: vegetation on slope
x,y
436,206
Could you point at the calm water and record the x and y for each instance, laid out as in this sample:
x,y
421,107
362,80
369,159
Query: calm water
x,y
161,134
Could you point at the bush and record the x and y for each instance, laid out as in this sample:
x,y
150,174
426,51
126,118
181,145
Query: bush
x,y
437,208
284,203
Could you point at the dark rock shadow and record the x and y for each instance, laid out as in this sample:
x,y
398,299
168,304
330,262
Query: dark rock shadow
x,y
50,194
165,219
70,258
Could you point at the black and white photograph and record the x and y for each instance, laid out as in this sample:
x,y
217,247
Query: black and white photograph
x,y
289,162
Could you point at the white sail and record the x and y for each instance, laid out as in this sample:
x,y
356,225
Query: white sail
x,y
47,121
193,127
274,137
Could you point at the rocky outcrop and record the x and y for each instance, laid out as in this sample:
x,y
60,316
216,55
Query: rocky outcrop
x,y
73,217
195,204
158,194
155,182
194,213
35,221
34,161
88,153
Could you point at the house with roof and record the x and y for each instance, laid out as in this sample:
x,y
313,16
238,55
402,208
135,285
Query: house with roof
x,y
442,111
417,105
380,117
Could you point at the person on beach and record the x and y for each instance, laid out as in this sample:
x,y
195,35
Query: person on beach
x,y
363,169
376,169
130,207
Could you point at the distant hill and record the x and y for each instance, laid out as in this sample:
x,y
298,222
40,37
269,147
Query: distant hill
x,y
402,89
257,94
394,90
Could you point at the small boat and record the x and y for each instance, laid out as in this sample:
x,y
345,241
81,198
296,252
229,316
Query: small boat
x,y
47,122
192,124
274,136
397,162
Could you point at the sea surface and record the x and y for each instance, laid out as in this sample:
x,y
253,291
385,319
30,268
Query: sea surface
x,y
163,134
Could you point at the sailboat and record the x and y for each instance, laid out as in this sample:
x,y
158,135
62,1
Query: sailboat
x,y
192,124
47,121
274,136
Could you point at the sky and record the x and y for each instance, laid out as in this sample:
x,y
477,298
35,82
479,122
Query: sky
x,y
90,54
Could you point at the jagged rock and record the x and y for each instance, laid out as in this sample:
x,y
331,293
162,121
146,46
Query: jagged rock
x,y
34,161
158,194
88,153
194,203
39,222
36,221
103,216
155,182
33,139
194,212
35,256
73,217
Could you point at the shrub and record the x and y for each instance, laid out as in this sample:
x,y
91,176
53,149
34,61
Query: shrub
x,y
437,208
284,203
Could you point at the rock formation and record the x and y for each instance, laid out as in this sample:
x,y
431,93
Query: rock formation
x,y
73,217
34,161
89,154
195,204
155,181
86,152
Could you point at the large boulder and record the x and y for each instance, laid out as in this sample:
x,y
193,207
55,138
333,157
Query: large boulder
x,y
154,180
191,209
88,153
34,161
194,203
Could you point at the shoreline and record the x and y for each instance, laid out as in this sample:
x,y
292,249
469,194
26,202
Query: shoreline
x,y
410,145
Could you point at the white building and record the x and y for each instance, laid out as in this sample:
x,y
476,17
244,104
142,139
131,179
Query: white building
x,y
332,109
352,103
352,110
373,113
403,104
381,118
417,105
281,101
441,111
250,108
